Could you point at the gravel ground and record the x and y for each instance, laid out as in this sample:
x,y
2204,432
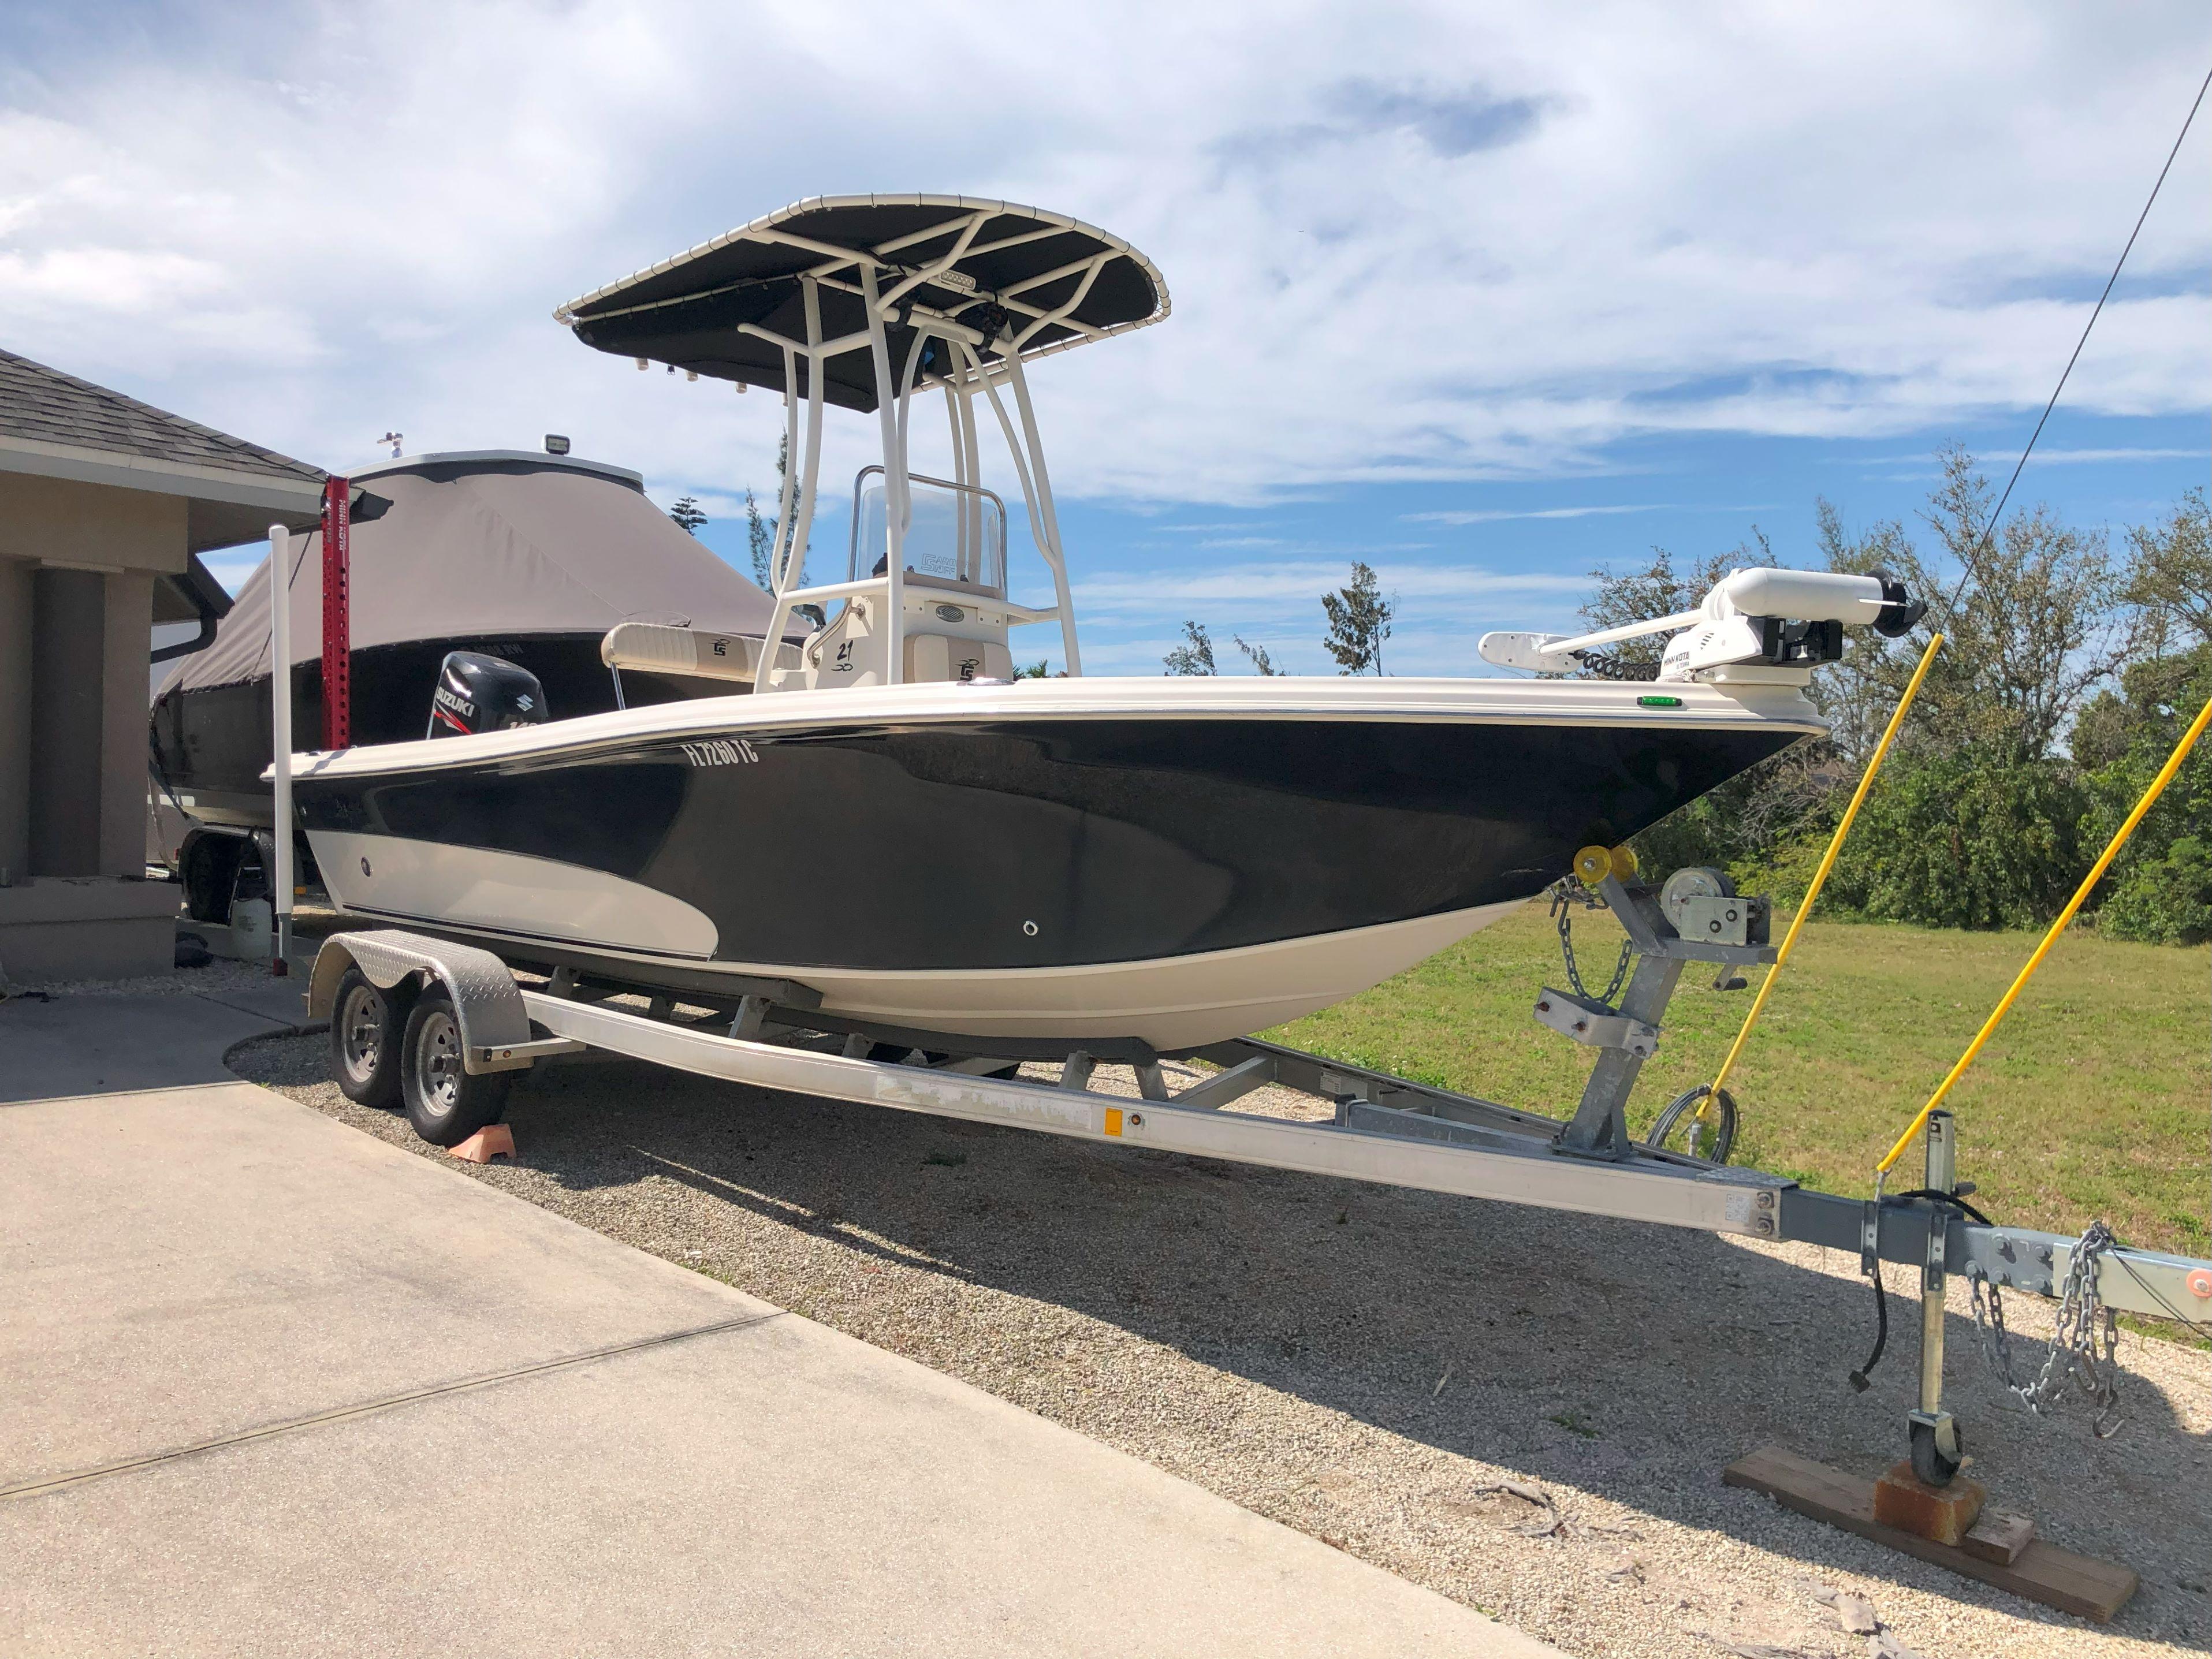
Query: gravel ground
x,y
1371,1366
210,978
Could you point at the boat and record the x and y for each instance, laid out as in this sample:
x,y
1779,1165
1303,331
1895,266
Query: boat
x,y
895,833
529,557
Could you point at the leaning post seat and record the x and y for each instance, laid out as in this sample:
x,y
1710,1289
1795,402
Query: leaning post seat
x,y
657,647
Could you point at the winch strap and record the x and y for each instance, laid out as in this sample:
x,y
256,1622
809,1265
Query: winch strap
x,y
2081,896
1827,863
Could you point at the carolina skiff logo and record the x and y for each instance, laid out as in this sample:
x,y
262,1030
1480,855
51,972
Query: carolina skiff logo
x,y
721,751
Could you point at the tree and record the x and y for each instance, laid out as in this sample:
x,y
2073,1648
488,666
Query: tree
x,y
1195,655
2160,889
762,533
1262,662
1645,595
1358,622
688,512
2024,750
2037,623
758,539
1036,670
2170,572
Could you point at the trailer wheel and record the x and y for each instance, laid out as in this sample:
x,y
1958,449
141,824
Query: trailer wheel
x,y
446,1102
367,1025
210,871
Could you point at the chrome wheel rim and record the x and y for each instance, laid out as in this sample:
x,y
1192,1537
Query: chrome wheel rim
x,y
361,1032
438,1063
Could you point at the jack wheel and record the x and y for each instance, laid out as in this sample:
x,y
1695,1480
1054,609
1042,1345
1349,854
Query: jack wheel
x,y
366,1028
446,1101
1699,1138
1930,1462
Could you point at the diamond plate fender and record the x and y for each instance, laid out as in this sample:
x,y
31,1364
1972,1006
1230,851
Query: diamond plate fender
x,y
486,1000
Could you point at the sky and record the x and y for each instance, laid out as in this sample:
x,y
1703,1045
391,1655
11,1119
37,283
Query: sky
x,y
1484,295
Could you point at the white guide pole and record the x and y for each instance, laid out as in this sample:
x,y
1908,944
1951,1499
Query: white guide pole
x,y
280,725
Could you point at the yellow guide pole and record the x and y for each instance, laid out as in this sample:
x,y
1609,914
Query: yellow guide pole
x,y
2080,895
1820,875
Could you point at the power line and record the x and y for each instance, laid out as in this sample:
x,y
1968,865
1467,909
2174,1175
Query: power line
x,y
1989,534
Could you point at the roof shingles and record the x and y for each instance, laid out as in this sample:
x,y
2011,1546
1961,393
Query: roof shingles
x,y
47,406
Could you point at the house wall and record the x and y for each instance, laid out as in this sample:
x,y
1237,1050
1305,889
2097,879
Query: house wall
x,y
73,672
60,520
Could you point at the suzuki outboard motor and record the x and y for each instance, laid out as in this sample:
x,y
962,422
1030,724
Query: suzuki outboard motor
x,y
477,693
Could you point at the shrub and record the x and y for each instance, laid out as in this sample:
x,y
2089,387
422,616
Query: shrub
x,y
2164,900
1966,840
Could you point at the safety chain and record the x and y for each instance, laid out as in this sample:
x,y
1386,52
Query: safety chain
x,y
2077,1338
1566,893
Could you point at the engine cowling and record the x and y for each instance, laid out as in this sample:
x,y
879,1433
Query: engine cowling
x,y
478,693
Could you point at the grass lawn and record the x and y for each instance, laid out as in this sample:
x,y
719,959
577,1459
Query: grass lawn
x,y
2093,1099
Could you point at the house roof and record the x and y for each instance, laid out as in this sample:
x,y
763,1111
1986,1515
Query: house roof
x,y
57,425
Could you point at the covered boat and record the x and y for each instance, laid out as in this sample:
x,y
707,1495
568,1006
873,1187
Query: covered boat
x,y
529,557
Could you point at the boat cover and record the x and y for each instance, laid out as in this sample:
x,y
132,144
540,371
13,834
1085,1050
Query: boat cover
x,y
486,545
1050,281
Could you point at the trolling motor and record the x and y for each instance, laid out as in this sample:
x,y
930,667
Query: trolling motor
x,y
1758,624
479,693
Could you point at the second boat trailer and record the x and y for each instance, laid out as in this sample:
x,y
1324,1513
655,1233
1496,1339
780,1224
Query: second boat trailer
x,y
447,1025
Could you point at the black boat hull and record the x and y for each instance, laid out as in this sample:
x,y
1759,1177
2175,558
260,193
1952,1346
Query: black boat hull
x,y
934,875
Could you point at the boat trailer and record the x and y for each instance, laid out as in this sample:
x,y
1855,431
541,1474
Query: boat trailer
x,y
1380,1128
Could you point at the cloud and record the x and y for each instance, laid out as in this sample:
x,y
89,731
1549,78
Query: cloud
x,y
1497,515
1448,125
2041,457
1302,584
1451,124
2098,457
1428,242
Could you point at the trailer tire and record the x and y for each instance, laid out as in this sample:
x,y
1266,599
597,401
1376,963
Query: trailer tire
x,y
446,1102
367,1026
208,869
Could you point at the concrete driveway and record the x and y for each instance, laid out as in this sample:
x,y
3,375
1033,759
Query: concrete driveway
x,y
274,1387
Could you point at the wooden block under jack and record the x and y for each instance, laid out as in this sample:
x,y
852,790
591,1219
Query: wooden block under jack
x,y
2039,1571
1902,1499
1998,1537
486,1144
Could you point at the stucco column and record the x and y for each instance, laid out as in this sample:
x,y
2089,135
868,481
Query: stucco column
x,y
69,683
16,717
123,743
